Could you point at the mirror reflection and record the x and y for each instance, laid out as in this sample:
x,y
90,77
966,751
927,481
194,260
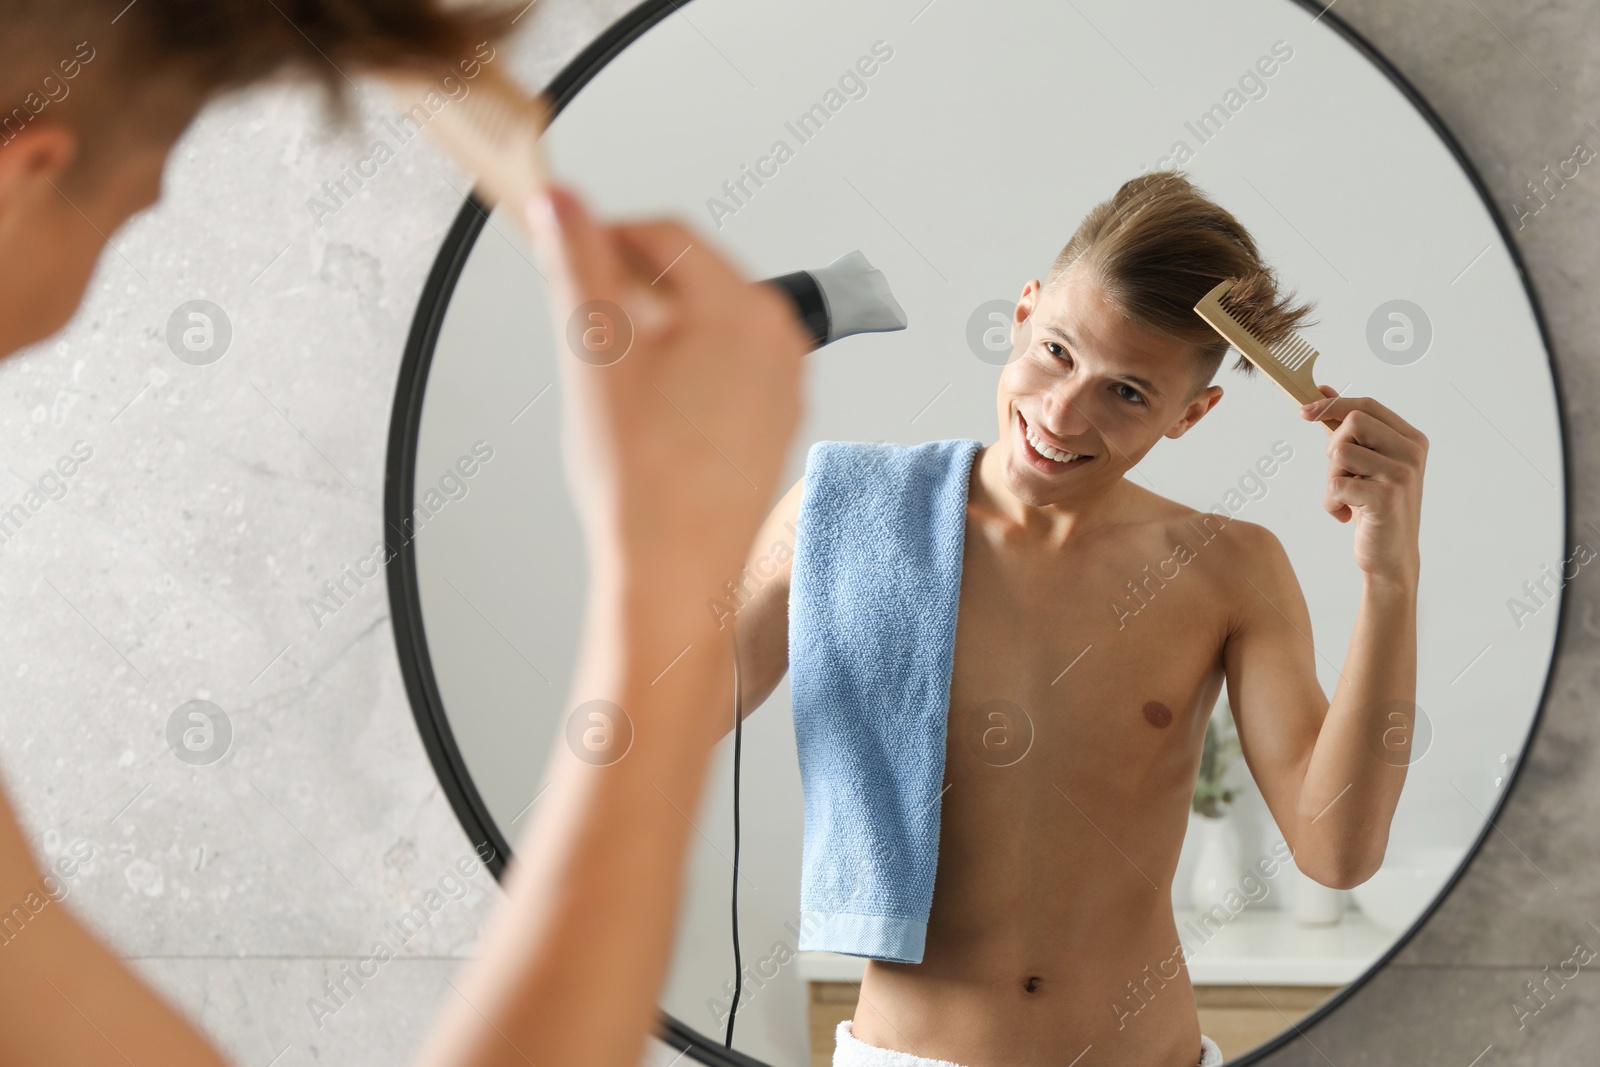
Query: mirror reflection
x,y
1073,714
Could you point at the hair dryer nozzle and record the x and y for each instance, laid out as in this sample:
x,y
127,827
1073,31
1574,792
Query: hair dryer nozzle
x,y
846,297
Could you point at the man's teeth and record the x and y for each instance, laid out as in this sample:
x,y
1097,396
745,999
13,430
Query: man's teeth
x,y
1050,453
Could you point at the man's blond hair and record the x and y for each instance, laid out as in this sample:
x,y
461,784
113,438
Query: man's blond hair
x,y
1159,245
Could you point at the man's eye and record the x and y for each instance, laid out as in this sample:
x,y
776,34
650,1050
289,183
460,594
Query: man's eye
x,y
1136,398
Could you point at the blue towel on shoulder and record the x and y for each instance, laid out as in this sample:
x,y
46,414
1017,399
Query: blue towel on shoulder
x,y
872,620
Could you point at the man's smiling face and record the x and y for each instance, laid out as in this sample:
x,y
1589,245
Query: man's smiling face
x,y
1084,381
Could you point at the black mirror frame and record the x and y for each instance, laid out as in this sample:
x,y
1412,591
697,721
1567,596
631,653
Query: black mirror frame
x,y
399,489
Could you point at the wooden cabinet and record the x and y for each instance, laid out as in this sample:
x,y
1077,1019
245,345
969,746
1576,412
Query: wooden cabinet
x,y
831,1003
1240,1017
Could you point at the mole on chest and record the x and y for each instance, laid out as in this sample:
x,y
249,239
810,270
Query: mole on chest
x,y
1157,714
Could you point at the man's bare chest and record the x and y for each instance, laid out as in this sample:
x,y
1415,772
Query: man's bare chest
x,y
1088,655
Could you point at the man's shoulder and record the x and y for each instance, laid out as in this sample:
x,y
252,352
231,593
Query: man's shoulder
x,y
1229,547
1237,553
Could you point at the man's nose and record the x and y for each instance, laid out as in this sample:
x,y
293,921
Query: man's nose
x,y
1066,407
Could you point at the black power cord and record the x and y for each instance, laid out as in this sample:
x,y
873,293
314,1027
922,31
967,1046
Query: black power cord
x,y
738,732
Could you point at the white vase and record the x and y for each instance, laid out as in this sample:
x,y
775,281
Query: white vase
x,y
1314,903
1216,870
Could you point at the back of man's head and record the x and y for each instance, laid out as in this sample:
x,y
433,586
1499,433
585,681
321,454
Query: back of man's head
x,y
117,72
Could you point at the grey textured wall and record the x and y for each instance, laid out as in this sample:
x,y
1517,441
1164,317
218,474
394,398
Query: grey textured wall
x,y
178,564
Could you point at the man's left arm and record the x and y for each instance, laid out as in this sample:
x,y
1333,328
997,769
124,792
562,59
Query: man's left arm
x,y
1331,772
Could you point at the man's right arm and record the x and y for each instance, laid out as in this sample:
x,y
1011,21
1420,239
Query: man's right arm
x,y
763,620
576,954
65,998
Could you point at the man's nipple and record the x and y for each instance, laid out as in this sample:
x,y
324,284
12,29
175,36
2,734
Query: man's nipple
x,y
1157,714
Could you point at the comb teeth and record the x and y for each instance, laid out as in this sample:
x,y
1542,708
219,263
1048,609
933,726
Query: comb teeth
x,y
1292,352
497,121
494,133
1288,361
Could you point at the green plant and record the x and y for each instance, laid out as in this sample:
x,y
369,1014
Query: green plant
x,y
1211,797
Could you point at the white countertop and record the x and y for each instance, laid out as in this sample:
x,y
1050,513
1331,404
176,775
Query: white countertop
x,y
1264,947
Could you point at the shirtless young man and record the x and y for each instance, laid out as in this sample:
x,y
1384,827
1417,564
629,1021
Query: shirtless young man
x,y
1054,877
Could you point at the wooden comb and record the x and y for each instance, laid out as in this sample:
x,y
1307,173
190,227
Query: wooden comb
x,y
493,132
1288,362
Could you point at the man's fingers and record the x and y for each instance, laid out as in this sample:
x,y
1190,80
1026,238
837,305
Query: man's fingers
x,y
1320,409
577,252
587,261
669,257
1340,407
1351,458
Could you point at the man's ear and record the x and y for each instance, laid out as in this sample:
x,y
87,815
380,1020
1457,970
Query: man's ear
x,y
1022,318
1027,302
1203,402
42,152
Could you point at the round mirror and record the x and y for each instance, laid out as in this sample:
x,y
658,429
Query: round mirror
x,y
957,145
